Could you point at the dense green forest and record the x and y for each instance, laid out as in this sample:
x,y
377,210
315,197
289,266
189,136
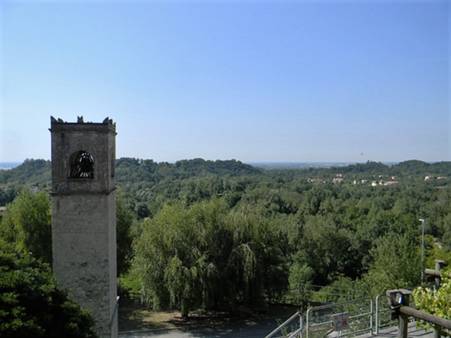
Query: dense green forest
x,y
221,234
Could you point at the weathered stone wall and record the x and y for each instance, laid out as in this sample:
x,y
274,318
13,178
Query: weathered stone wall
x,y
84,222
98,140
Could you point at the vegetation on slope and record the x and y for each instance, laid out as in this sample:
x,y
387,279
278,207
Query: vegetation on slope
x,y
219,235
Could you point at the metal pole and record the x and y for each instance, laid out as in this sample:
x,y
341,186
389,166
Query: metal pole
x,y
377,314
300,322
307,315
422,249
438,266
114,312
371,316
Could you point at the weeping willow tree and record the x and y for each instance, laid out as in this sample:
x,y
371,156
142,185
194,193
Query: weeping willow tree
x,y
205,256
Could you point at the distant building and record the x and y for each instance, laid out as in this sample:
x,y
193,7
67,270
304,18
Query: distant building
x,y
336,180
391,183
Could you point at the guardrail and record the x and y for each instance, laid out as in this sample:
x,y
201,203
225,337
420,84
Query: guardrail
x,y
348,318
116,305
439,264
382,315
379,314
297,333
399,301
286,323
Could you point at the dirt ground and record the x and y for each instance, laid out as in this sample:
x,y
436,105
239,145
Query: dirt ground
x,y
135,317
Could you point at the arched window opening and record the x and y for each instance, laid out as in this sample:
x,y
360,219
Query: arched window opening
x,y
81,165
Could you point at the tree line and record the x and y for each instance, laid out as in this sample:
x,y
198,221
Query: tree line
x,y
219,235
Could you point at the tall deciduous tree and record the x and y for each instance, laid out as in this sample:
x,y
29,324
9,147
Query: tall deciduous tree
x,y
396,263
27,224
124,221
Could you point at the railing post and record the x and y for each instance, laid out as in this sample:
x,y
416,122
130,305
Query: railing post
x,y
403,326
403,319
439,264
397,299
437,331
307,317
300,322
371,316
377,314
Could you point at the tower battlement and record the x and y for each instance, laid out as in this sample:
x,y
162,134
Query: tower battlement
x,y
59,124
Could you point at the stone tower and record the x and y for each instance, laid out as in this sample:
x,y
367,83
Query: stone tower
x,y
84,217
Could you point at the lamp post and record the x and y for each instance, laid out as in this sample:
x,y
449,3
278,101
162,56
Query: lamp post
x,y
422,249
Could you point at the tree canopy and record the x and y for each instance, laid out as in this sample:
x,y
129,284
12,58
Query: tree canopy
x,y
31,306
222,234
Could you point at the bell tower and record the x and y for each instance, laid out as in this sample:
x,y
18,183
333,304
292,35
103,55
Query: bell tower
x,y
84,217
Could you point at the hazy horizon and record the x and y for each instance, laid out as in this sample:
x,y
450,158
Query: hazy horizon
x,y
15,163
294,81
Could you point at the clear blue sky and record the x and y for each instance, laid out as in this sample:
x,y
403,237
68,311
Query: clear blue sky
x,y
255,81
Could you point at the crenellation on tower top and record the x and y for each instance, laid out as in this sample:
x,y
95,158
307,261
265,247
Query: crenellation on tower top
x,y
58,124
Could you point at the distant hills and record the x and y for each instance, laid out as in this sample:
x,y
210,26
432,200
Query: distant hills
x,y
30,172
38,172
298,165
8,165
131,170
148,178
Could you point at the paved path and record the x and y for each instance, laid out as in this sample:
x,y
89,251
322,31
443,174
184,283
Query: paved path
x,y
393,332
251,330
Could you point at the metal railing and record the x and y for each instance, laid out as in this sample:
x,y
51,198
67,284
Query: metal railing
x,y
296,333
359,318
364,315
285,324
382,314
116,305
